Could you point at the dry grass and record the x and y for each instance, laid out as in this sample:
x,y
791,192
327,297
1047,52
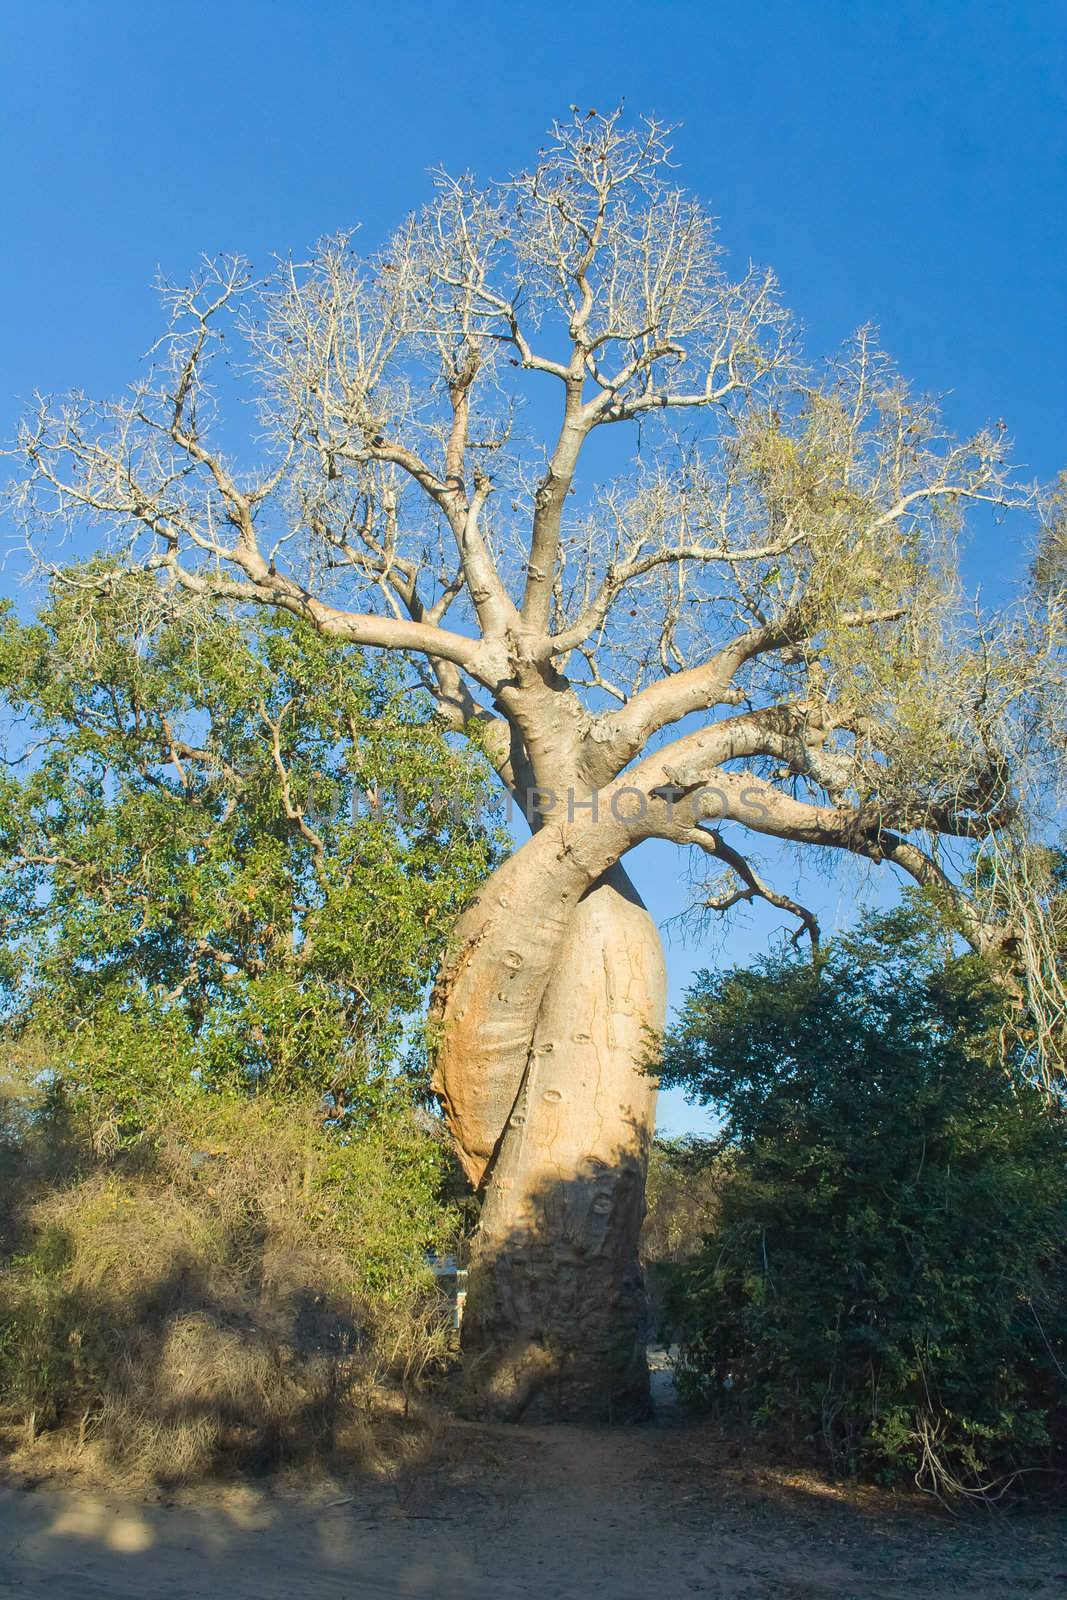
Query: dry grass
x,y
234,1293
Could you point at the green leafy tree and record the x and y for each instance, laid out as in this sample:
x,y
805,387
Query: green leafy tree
x,y
885,1275
195,889
217,1183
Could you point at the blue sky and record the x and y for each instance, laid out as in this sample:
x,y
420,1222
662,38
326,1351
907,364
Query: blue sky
x,y
902,164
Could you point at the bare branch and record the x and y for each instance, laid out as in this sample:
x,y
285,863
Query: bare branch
x,y
754,887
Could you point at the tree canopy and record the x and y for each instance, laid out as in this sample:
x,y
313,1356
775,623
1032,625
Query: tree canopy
x,y
196,878
774,551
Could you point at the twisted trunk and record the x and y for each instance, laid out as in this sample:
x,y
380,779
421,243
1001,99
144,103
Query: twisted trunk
x,y
540,1072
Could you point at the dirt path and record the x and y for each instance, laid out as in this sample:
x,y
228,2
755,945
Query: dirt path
x,y
557,1514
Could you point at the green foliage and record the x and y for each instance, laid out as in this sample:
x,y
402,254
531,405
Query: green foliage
x,y
886,1275
218,1185
193,890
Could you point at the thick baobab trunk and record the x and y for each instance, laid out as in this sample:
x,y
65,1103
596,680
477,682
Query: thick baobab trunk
x,y
555,1323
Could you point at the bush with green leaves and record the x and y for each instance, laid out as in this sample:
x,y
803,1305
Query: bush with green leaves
x,y
886,1275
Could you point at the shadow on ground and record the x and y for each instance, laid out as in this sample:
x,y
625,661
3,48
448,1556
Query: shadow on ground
x,y
517,1512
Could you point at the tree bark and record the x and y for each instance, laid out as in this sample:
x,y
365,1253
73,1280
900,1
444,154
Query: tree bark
x,y
555,1320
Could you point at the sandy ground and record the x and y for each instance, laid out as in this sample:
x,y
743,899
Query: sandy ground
x,y
557,1513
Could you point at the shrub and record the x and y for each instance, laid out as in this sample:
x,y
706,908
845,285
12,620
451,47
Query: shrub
x,y
886,1274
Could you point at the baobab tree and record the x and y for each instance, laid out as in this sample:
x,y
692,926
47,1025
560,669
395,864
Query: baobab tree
x,y
675,582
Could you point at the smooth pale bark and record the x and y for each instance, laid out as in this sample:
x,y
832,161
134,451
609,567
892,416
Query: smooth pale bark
x,y
484,1010
555,1323
503,953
